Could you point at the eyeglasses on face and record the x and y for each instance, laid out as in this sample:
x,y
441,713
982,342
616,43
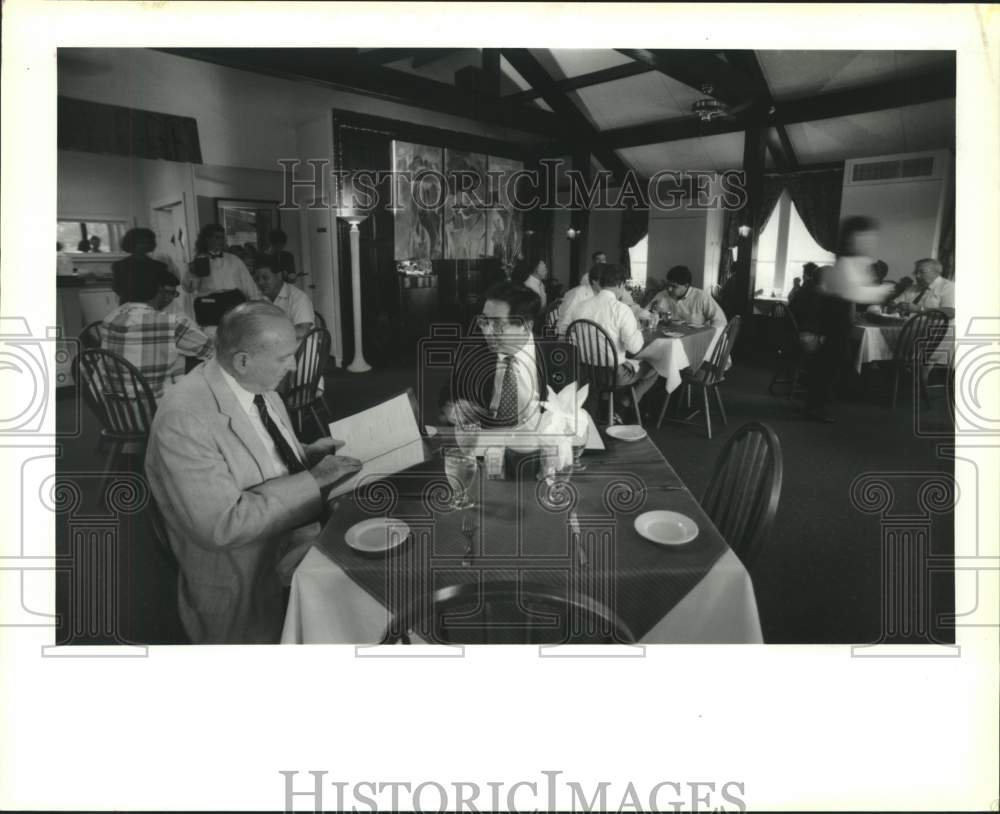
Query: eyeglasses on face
x,y
498,324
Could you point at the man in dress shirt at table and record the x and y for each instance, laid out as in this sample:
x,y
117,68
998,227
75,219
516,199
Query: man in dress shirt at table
x,y
593,278
294,302
239,495
684,303
588,288
498,380
932,291
608,310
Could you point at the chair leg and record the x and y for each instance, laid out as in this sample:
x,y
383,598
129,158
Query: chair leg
x,y
895,386
635,406
109,463
689,396
611,408
722,410
708,412
663,410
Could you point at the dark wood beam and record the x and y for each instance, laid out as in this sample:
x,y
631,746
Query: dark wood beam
x,y
927,87
579,219
583,133
587,80
340,69
426,56
747,62
697,68
491,70
740,289
380,56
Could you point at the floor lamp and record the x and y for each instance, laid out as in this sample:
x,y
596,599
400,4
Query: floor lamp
x,y
354,218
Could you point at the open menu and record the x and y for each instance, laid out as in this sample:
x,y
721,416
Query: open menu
x,y
385,438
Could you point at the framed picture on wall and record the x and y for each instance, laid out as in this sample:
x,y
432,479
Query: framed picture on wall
x,y
247,221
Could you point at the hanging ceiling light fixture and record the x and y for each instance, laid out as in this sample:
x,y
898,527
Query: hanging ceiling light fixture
x,y
709,108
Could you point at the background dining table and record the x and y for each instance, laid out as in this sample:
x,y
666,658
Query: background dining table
x,y
671,347
878,335
697,592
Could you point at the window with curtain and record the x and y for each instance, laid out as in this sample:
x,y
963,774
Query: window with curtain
x,y
783,248
637,260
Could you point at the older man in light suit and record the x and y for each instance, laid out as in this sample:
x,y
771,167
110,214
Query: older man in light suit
x,y
240,496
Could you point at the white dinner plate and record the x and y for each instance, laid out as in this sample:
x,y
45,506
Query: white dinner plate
x,y
377,535
626,432
666,528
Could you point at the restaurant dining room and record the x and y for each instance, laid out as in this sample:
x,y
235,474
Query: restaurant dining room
x,y
430,345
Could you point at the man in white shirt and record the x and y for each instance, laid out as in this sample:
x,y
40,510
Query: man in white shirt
x,y
581,293
932,291
215,269
536,282
593,278
619,323
684,303
286,296
240,496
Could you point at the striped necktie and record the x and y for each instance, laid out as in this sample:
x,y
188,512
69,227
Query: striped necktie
x,y
285,451
507,408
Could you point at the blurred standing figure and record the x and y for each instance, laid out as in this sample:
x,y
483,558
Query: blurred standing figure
x,y
277,240
843,284
536,281
215,269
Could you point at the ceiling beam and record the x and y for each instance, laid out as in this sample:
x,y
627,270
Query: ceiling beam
x,y
926,87
425,56
491,70
583,133
697,68
749,65
586,80
341,69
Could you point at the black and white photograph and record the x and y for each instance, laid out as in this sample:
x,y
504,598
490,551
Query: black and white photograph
x,y
394,371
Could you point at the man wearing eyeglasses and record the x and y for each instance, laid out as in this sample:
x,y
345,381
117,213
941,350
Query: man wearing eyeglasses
x,y
144,333
498,377
682,302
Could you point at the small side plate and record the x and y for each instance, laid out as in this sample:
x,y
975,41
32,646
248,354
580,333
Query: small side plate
x,y
626,432
666,528
377,535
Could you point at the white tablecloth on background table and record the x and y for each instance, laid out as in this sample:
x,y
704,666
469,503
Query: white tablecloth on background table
x,y
878,342
328,607
670,355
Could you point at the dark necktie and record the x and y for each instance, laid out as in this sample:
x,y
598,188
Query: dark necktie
x,y
285,452
507,408
920,296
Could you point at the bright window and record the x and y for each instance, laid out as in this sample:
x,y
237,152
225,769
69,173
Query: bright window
x,y
784,247
637,260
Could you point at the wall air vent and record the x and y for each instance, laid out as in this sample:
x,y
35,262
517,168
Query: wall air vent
x,y
882,170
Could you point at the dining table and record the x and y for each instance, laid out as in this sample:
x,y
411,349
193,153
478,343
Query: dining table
x,y
671,347
878,334
581,536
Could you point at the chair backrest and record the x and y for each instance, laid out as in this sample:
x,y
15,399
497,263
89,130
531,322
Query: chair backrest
x,y
116,391
712,369
742,496
90,337
921,333
550,319
508,612
318,320
596,353
302,385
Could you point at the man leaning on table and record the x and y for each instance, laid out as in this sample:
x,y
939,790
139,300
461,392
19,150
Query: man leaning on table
x,y
240,496
685,303
932,291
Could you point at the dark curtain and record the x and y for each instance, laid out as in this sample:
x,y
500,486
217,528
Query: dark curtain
x,y
816,196
635,226
946,245
770,193
95,128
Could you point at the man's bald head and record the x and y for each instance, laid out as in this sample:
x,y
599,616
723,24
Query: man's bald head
x,y
256,344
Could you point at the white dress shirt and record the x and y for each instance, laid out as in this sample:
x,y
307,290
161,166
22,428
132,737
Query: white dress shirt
x,y
567,307
695,307
617,319
226,272
245,399
850,279
940,294
535,284
296,304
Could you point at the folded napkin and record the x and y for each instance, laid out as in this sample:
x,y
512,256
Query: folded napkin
x,y
563,421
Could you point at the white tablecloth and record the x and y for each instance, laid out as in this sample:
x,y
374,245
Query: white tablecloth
x,y
669,356
328,607
877,343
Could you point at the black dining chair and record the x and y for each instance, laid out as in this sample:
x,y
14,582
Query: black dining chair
x,y
318,320
120,397
742,496
919,338
507,612
550,319
90,337
597,360
300,391
789,352
710,374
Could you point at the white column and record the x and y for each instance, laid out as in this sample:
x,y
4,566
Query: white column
x,y
358,365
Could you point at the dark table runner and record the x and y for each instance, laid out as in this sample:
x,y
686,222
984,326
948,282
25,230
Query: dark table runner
x,y
523,532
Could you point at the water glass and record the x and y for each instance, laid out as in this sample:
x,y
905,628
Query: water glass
x,y
460,469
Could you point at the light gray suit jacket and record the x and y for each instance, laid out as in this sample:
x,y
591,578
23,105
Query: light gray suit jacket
x,y
227,525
